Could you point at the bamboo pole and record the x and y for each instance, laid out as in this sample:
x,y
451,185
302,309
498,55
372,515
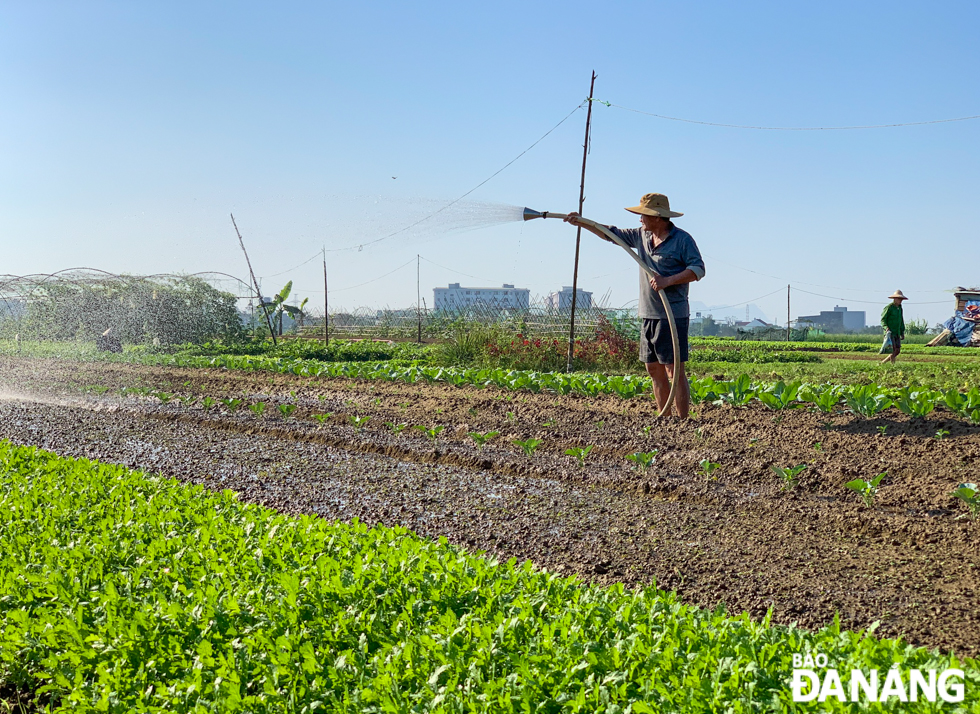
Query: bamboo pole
x,y
787,314
326,312
255,282
578,232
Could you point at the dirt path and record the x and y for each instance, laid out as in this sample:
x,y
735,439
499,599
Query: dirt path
x,y
734,537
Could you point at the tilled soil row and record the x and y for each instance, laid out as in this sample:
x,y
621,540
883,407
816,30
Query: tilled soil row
x,y
734,537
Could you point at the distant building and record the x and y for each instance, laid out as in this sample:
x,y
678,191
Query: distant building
x,y
563,300
839,319
506,297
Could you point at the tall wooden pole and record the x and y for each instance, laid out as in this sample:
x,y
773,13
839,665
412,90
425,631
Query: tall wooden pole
x,y
326,311
787,314
255,282
418,292
578,232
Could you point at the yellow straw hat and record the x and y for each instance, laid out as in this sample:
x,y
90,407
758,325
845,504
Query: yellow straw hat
x,y
898,294
655,204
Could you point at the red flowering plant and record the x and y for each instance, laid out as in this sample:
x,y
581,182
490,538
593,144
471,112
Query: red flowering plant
x,y
607,350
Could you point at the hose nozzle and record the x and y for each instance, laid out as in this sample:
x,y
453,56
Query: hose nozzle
x,y
530,213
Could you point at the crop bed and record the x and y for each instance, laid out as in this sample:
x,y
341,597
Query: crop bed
x,y
734,535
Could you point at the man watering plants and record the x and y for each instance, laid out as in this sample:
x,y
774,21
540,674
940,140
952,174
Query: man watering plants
x,y
893,321
674,256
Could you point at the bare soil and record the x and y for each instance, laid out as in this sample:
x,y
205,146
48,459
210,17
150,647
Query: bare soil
x,y
737,537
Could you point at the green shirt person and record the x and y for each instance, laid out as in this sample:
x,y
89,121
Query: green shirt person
x,y
894,323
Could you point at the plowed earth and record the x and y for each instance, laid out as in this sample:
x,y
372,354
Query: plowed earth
x,y
736,537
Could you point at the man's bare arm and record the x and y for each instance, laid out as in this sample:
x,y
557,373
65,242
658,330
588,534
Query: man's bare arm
x,y
659,282
573,219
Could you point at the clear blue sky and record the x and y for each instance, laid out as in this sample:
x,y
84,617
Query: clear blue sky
x,y
129,131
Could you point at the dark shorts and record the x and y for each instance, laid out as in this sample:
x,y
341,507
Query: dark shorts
x,y
655,342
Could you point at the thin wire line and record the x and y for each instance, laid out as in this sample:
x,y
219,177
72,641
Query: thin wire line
x,y
738,304
787,128
274,275
817,285
373,280
451,203
452,270
869,302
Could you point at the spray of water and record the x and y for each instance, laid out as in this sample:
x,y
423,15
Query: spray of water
x,y
366,223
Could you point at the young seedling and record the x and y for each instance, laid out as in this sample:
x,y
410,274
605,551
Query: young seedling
x,y
707,467
528,446
258,408
942,434
321,418
970,495
867,489
231,404
471,411
286,410
207,403
188,400
699,434
600,425
431,433
646,429
164,397
817,446
882,429
789,474
580,453
643,459
359,421
510,416
376,401
482,439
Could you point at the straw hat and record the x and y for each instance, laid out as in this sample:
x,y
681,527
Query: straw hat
x,y
655,204
898,294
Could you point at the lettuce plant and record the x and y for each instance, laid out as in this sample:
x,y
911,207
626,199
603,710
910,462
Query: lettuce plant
x,y
789,474
867,489
481,439
643,459
580,453
528,446
970,495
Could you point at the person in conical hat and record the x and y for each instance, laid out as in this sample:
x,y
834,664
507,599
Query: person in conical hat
x,y
893,321
674,256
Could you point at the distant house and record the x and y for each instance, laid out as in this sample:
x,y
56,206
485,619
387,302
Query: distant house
x,y
562,300
456,297
840,319
753,324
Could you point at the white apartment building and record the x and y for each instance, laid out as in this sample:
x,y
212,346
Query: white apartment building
x,y
562,300
456,297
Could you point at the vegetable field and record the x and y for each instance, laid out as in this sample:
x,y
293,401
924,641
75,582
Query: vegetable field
x,y
399,535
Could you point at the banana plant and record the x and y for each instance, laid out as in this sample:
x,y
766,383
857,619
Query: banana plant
x,y
277,307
